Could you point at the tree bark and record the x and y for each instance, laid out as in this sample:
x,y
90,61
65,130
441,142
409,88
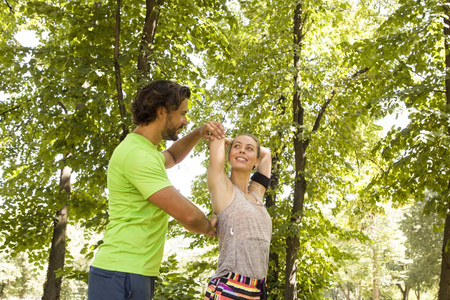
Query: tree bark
x,y
345,292
444,283
405,292
52,285
271,198
376,284
417,292
292,241
123,111
148,36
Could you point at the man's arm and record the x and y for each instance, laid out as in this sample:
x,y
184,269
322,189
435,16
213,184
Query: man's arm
x,y
181,148
184,211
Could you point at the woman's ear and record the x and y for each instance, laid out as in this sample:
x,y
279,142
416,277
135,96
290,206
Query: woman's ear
x,y
257,163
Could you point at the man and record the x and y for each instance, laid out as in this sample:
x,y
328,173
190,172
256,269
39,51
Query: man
x,y
141,197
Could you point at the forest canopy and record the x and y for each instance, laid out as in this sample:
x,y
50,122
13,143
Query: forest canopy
x,y
359,210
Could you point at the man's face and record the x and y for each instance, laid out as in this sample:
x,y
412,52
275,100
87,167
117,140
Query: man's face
x,y
175,121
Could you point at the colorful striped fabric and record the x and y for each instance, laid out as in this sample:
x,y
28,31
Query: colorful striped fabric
x,y
236,287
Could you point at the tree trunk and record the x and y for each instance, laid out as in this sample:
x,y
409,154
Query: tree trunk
x,y
292,241
148,36
444,284
271,198
405,292
359,291
3,285
52,285
345,292
123,111
376,288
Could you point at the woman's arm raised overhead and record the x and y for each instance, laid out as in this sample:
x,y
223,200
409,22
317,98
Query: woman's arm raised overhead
x,y
219,185
265,168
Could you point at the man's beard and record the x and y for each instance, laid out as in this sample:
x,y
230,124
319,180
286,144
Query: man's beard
x,y
169,131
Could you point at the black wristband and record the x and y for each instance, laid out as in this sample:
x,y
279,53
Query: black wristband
x,y
261,179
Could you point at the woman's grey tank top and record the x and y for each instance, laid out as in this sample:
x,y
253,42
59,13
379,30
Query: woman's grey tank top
x,y
244,229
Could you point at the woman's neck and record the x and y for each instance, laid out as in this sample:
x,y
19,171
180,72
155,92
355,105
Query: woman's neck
x,y
240,180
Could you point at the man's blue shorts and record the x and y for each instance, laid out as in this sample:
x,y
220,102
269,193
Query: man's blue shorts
x,y
113,285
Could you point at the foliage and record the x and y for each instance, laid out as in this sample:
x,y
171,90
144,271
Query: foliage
x,y
175,283
424,241
367,58
21,278
17,277
253,87
409,44
61,101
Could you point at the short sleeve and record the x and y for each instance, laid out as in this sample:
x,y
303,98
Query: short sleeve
x,y
146,172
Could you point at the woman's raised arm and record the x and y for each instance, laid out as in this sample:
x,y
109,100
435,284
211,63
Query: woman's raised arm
x,y
219,185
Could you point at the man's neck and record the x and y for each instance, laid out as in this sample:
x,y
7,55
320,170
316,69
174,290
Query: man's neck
x,y
152,132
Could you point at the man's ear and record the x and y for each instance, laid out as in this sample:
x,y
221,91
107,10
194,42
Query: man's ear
x,y
161,113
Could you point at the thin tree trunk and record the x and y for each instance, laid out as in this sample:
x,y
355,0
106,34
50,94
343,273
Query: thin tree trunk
x,y
346,293
123,111
359,291
417,292
405,292
292,241
271,198
148,36
444,284
376,283
52,285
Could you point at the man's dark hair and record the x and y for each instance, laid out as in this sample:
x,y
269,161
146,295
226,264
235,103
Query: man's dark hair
x,y
156,94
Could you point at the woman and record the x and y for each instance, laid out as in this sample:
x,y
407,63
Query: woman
x,y
244,227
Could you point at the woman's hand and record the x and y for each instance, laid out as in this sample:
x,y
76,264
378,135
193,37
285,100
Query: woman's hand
x,y
228,142
211,130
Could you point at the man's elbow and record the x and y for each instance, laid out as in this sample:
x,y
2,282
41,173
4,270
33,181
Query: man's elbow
x,y
193,222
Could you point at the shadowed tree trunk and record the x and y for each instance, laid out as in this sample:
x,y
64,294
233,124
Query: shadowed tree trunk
x,y
405,292
444,284
120,102
292,241
271,198
148,36
417,293
52,285
300,146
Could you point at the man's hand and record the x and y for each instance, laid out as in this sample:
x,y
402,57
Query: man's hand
x,y
211,130
213,222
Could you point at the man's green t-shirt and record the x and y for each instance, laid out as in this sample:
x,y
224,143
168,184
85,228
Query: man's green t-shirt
x,y
134,238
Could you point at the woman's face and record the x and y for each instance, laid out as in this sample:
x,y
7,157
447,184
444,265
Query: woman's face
x,y
243,153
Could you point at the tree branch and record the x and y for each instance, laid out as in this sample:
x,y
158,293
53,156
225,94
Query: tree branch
x,y
63,107
11,11
327,102
343,291
371,160
319,116
9,110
